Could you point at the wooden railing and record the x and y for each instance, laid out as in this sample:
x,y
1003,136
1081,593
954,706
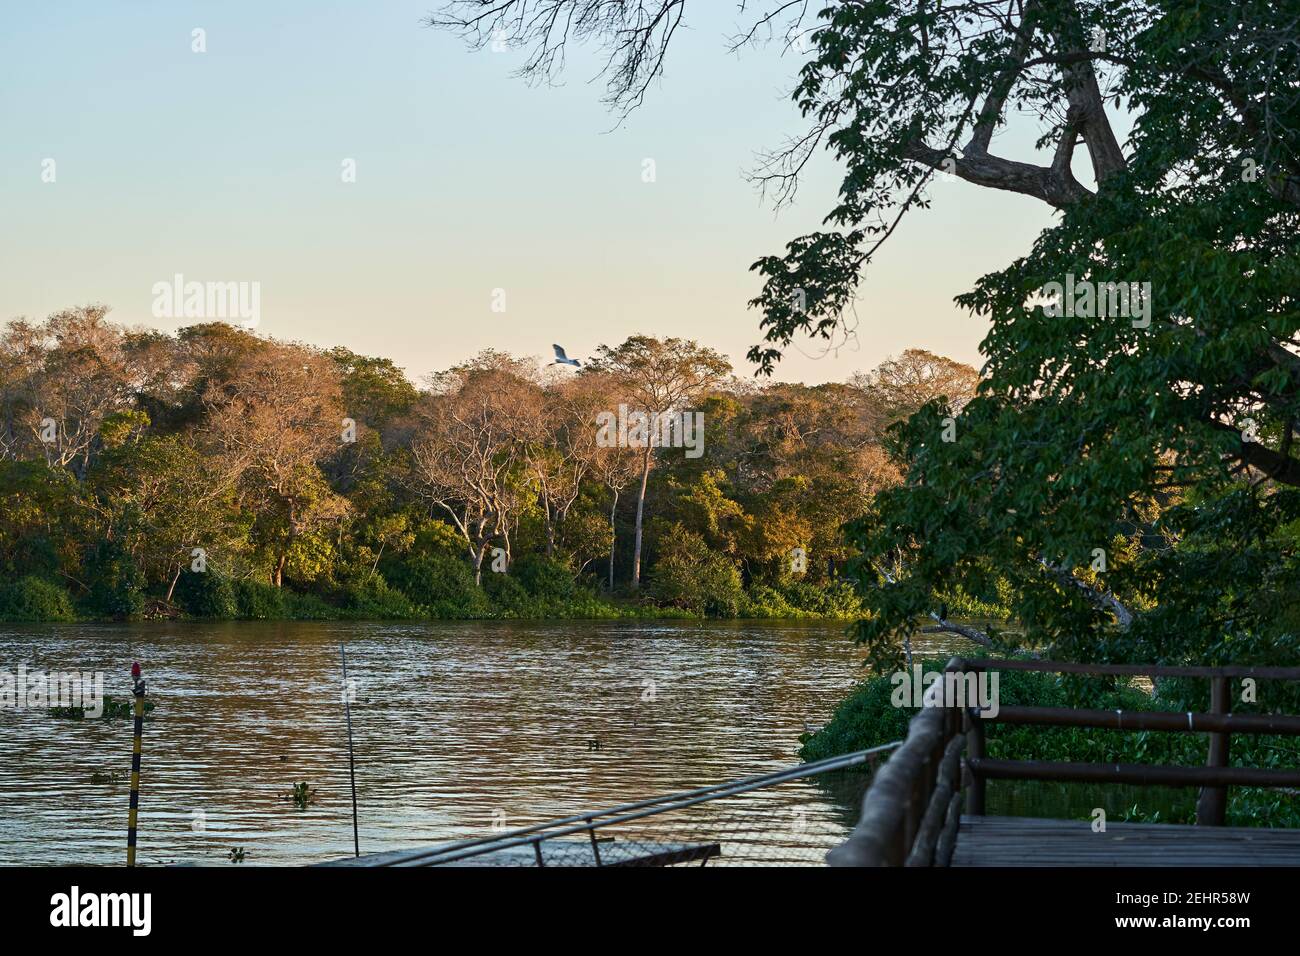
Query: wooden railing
x,y
911,813
912,809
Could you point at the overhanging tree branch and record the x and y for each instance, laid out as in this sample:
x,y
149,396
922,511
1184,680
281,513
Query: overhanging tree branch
x,y
1098,597
1055,186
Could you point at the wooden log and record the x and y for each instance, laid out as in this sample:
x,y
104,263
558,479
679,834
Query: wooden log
x,y
948,839
936,814
878,837
876,840
912,812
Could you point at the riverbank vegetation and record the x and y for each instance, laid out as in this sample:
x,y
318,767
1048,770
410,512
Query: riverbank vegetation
x,y
221,474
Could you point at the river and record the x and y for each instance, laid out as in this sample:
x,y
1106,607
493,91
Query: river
x,y
460,728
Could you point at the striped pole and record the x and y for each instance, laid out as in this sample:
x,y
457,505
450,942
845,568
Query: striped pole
x,y
137,690
352,767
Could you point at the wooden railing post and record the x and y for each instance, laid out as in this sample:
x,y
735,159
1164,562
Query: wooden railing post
x,y
1212,806
974,751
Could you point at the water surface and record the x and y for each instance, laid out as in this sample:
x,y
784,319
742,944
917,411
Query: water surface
x,y
459,727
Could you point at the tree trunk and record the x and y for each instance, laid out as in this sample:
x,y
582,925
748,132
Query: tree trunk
x,y
613,537
176,578
284,557
478,564
640,513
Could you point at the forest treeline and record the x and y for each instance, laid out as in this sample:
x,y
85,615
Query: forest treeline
x,y
215,472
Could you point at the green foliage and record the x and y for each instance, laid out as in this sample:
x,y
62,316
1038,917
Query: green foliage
x,y
310,557
963,605
689,575
373,388
837,599
762,601
544,578
39,505
119,428
372,597
259,601
507,594
116,582
307,607
799,599
438,538
1137,449
34,599
442,583
868,716
206,594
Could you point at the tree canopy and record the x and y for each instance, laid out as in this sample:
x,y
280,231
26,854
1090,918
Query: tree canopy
x,y
216,471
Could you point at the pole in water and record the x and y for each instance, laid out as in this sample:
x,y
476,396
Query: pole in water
x,y
352,768
137,690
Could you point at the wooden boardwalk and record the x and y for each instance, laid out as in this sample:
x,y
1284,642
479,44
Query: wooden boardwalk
x,y
1026,841
912,813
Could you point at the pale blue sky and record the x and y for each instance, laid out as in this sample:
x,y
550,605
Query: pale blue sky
x,y
225,166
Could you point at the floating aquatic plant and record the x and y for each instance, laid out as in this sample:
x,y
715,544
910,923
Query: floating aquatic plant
x,y
113,710
302,795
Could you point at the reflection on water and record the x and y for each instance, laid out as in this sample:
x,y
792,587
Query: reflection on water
x,y
457,725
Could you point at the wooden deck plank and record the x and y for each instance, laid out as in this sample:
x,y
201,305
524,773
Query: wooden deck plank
x,y
1028,841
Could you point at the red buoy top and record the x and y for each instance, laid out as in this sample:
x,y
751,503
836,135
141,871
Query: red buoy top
x,y
135,670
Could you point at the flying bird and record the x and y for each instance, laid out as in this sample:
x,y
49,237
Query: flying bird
x,y
562,359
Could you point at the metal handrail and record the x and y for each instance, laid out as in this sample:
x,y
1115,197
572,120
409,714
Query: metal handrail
x,y
624,813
